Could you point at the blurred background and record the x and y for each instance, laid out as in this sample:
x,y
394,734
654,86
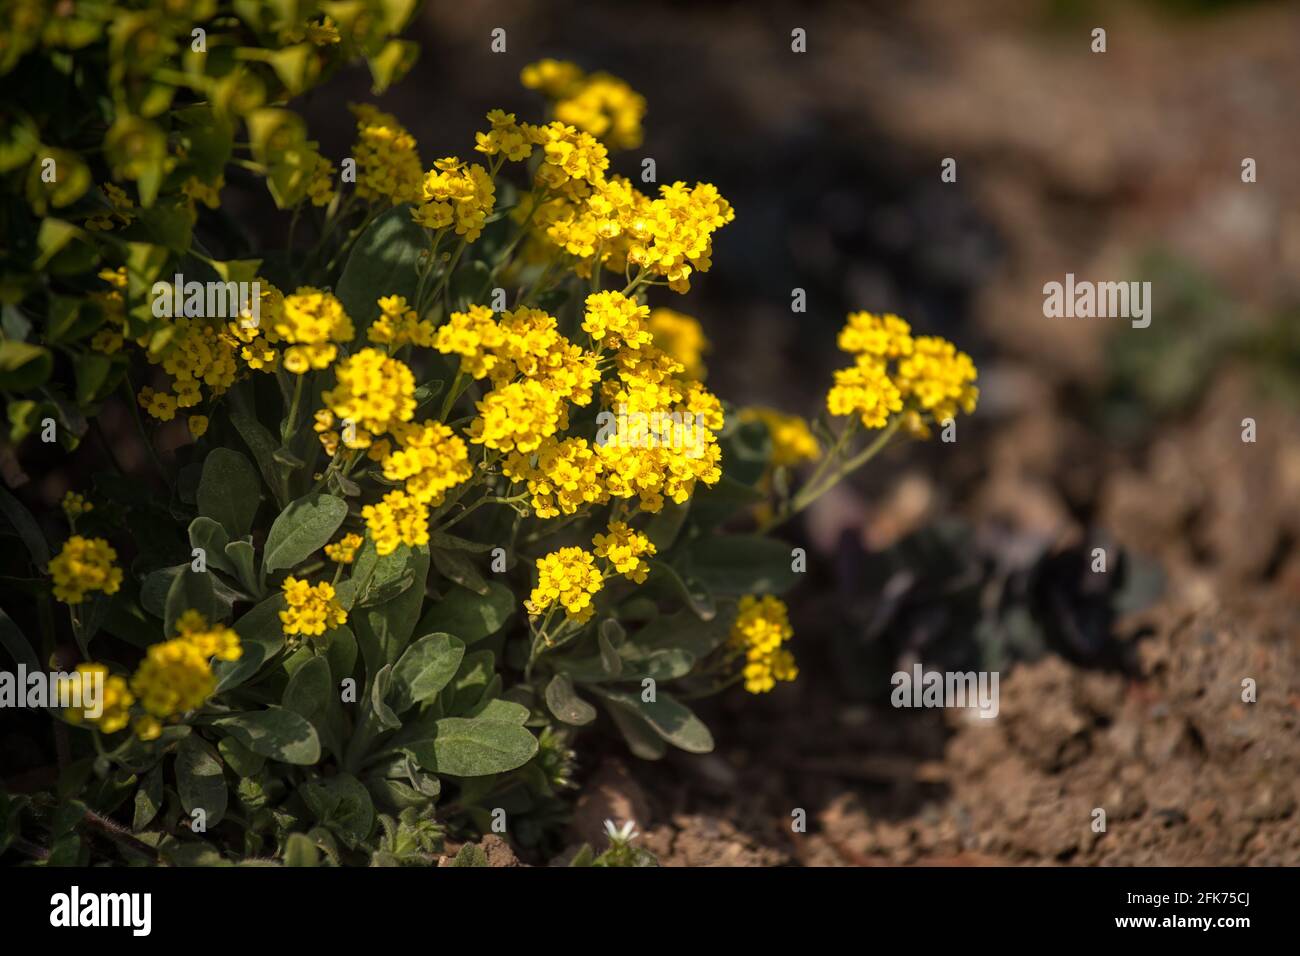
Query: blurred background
x,y
1120,690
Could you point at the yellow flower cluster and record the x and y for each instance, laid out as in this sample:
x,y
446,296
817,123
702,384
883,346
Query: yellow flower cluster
x,y
457,194
174,678
176,675
505,137
925,377
373,392
792,440
112,333
210,640
762,625
567,578
198,354
311,610
119,211
84,565
562,476
612,320
388,162
344,550
682,337
115,703
398,325
599,104
518,417
312,323
75,505
626,550
258,340
619,227
431,460
396,520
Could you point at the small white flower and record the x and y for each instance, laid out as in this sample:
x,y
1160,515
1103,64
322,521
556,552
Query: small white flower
x,y
620,836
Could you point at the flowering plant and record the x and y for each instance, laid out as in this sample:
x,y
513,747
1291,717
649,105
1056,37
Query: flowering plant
x,y
449,488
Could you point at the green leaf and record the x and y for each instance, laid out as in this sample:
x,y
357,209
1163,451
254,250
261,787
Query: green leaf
x,y
378,691
200,779
382,262
739,564
471,682
148,799
261,635
27,528
229,491
424,669
208,534
383,630
243,560
276,733
239,758
563,701
342,804
464,747
636,730
24,366
507,711
304,527
190,590
470,616
309,690
259,441
697,598
299,850
668,718
471,854
457,567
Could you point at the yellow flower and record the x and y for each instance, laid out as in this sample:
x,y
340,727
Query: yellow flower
x,y
198,425
432,460
175,677
762,625
399,325
682,337
505,136
83,565
600,104
372,391
938,378
456,194
613,320
388,163
554,78
396,520
158,404
115,702
210,641
562,476
607,108
75,505
311,610
867,391
147,727
624,549
344,550
792,440
518,416
474,336
884,336
120,206
312,322
567,577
